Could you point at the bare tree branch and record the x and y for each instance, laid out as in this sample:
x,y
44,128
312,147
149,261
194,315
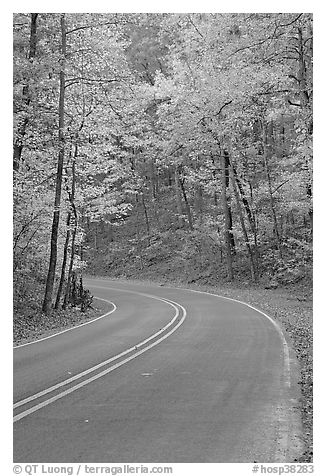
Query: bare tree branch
x,y
193,24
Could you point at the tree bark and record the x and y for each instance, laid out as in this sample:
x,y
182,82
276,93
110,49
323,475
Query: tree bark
x,y
178,197
146,219
72,252
64,263
188,210
250,214
304,96
243,225
199,203
269,182
47,302
227,215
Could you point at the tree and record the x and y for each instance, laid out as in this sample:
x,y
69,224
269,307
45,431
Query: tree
x,y
61,154
179,132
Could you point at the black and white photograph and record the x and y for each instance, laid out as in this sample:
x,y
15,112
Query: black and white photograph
x,y
162,241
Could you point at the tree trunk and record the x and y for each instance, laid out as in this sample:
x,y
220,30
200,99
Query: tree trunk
x,y
146,220
18,144
269,181
57,200
250,215
70,271
139,242
304,96
199,203
227,185
64,263
153,178
73,207
178,197
227,215
243,225
188,210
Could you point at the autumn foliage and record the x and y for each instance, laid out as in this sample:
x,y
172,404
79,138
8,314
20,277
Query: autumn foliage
x,y
150,144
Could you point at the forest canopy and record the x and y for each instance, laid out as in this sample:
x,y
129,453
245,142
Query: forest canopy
x,y
163,145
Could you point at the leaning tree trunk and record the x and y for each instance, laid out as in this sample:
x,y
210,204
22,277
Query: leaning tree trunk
x,y
243,225
250,214
57,200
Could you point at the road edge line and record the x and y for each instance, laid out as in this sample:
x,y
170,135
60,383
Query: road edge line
x,y
73,327
286,351
21,415
99,365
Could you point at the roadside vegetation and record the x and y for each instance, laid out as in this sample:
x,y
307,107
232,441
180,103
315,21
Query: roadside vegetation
x,y
31,324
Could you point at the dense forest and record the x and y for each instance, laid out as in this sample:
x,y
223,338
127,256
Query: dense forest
x,y
162,146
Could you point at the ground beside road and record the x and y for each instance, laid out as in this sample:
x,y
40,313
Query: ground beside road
x,y
38,325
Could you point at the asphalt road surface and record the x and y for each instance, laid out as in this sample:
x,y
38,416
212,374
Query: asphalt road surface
x,y
169,375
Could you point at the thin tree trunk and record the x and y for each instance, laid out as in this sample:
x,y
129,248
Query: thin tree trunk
x,y
64,263
153,178
139,243
56,214
227,185
250,215
146,219
188,210
70,271
178,197
243,198
95,236
243,225
18,144
199,203
271,198
73,207
227,216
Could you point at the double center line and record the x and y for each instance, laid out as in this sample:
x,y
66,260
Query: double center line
x,y
37,401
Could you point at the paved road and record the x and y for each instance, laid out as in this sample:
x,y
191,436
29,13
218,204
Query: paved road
x,y
211,385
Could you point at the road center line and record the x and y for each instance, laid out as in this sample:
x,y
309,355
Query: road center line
x,y
96,367
286,351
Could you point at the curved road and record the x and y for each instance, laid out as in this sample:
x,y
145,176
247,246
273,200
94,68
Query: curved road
x,y
168,375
